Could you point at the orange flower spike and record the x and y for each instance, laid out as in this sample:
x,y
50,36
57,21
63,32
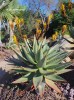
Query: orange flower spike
x,y
38,31
11,23
24,37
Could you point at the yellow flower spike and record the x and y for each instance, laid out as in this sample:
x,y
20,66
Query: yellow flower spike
x,y
56,33
22,21
17,20
62,7
38,21
64,29
50,17
70,5
15,39
38,32
54,37
45,25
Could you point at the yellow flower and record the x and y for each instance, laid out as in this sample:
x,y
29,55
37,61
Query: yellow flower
x,y
24,37
54,37
38,21
50,17
56,34
15,39
38,31
64,28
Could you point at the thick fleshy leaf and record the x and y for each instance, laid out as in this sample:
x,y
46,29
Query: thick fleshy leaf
x,y
25,78
56,61
41,89
40,44
54,55
63,66
35,46
45,48
53,49
58,56
30,53
28,56
52,85
59,66
37,79
50,55
26,69
39,55
46,72
42,63
64,71
21,80
54,77
20,56
44,41
27,46
22,52
20,70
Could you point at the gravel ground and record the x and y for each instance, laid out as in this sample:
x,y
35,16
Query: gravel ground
x,y
17,94
14,93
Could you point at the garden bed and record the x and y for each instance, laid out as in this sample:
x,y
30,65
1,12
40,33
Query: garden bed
x,y
14,92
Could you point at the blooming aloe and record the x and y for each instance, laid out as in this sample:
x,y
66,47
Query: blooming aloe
x,y
44,64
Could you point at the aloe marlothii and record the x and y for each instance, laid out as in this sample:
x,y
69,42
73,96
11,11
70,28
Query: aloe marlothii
x,y
44,65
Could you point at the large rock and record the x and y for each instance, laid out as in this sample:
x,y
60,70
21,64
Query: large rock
x,y
66,44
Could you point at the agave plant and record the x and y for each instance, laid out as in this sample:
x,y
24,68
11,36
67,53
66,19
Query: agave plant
x,y
44,65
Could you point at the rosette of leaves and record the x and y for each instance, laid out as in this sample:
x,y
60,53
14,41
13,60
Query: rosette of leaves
x,y
44,65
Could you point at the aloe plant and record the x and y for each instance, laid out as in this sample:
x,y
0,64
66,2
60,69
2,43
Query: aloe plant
x,y
44,65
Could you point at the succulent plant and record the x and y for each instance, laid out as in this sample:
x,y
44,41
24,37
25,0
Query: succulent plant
x,y
44,64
